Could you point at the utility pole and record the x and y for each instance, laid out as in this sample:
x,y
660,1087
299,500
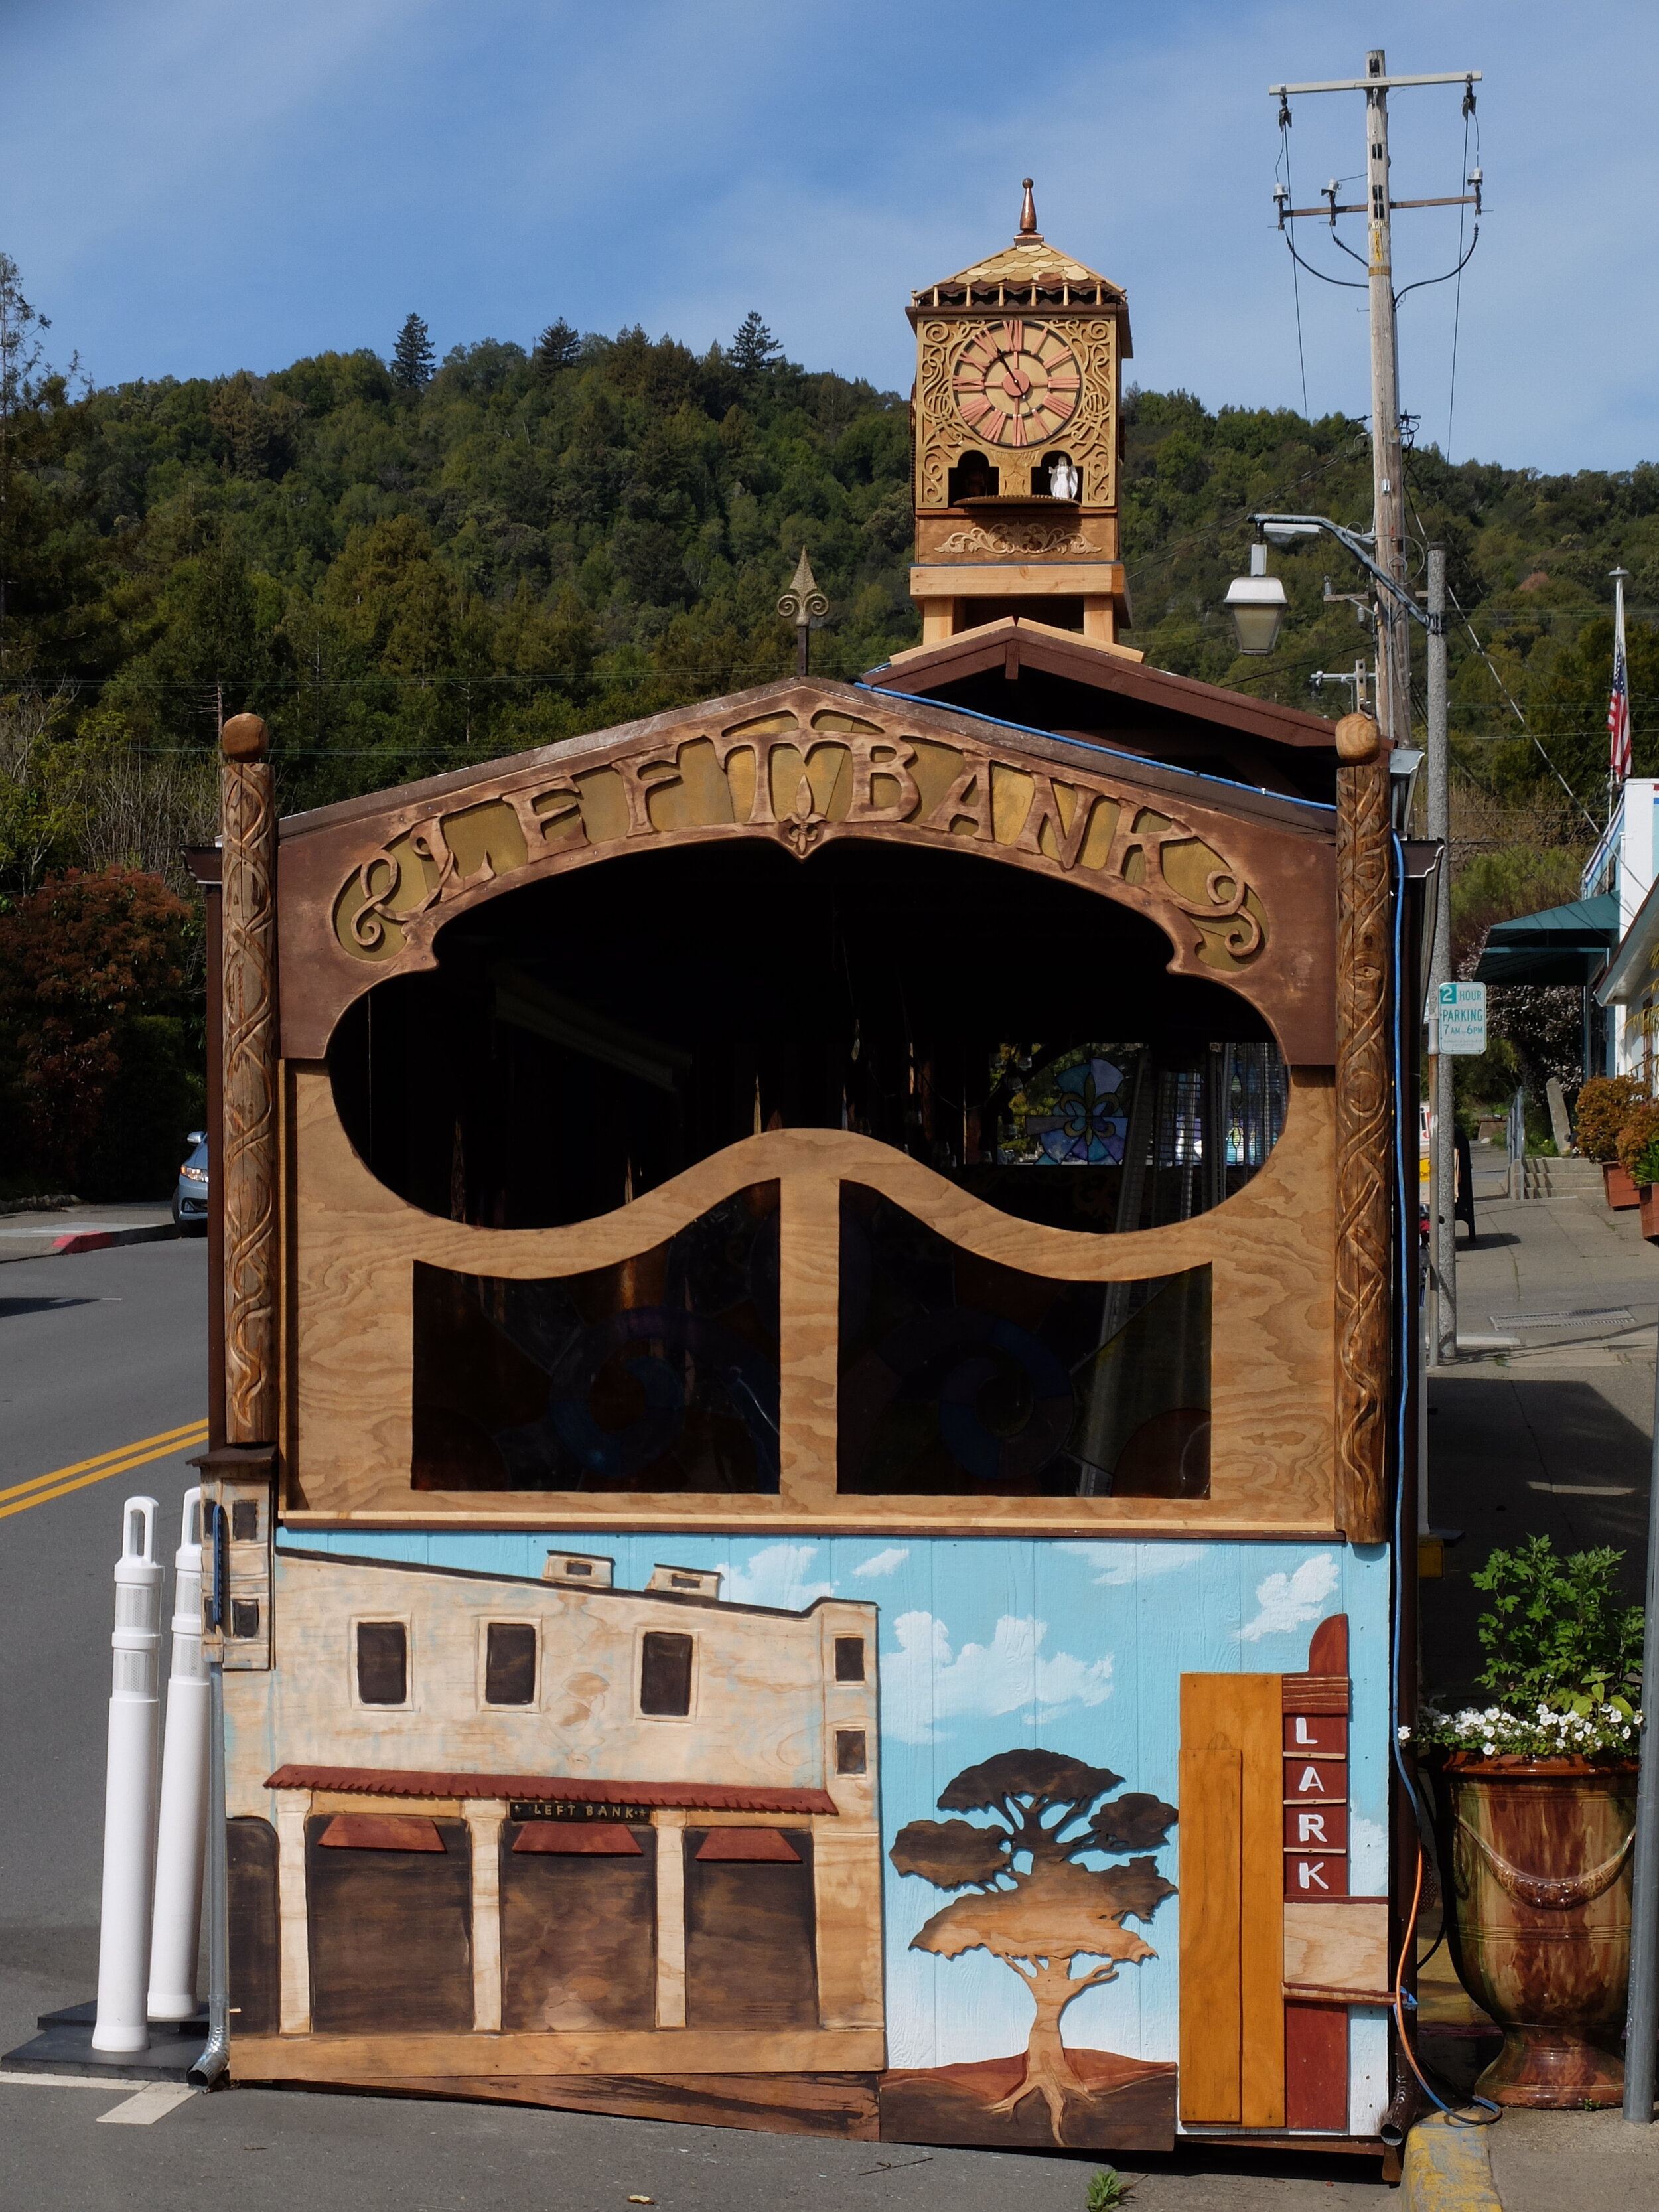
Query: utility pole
x,y
1387,487
1388,507
1443,1155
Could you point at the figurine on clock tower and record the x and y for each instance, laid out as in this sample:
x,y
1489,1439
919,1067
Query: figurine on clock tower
x,y
1016,412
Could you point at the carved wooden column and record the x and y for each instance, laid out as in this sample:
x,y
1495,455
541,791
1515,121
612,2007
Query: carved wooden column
x,y
1363,1232
249,1147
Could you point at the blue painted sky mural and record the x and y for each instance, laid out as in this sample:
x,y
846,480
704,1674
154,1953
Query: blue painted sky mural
x,y
990,1644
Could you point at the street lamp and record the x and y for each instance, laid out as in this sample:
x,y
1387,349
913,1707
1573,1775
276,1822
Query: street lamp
x,y
1256,603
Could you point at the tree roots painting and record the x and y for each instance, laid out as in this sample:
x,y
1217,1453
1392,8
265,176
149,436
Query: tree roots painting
x,y
1032,1899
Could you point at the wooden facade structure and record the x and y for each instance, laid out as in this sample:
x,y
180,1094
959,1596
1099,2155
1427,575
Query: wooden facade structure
x,y
778,1251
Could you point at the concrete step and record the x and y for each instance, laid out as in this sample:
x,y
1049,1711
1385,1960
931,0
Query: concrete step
x,y
1548,1178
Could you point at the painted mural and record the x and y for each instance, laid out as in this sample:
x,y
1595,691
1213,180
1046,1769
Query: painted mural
x,y
1014,1757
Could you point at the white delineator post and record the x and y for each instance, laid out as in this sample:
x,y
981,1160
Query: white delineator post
x,y
181,1829
130,1786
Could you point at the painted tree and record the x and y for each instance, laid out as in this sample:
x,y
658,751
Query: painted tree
x,y
1032,1901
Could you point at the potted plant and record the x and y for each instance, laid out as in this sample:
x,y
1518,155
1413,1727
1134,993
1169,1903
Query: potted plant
x,y
1537,1799
1639,1155
1604,1103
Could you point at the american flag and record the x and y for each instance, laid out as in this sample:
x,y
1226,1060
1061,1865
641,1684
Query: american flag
x,y
1618,698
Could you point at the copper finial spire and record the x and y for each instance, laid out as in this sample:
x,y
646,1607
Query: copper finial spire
x,y
803,604
1028,214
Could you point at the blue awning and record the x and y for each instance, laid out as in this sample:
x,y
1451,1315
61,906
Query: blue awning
x,y
1560,944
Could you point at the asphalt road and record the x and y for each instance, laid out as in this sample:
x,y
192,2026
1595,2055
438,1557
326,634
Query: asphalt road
x,y
103,1349
97,1350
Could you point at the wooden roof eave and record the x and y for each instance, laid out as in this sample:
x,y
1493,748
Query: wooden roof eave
x,y
985,647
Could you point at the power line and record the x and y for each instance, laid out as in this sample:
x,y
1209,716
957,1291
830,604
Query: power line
x,y
1492,671
1295,279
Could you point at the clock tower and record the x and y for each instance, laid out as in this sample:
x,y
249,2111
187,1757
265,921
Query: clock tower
x,y
1016,426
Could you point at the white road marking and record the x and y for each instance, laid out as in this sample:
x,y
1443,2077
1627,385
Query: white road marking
x,y
68,2081
1583,1490
153,2103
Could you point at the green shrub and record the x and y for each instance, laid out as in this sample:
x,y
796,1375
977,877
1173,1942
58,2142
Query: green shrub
x,y
1563,1658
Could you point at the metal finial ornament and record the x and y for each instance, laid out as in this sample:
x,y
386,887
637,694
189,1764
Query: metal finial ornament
x,y
1028,213
803,604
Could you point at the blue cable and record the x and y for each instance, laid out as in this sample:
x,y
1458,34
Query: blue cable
x,y
1407,1213
1089,745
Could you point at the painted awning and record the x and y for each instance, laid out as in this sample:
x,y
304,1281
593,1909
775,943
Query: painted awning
x,y
1559,944
552,1788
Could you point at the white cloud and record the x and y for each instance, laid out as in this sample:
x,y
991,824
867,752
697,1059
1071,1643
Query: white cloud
x,y
1133,1563
883,1563
1289,1601
1368,1857
925,1682
775,1576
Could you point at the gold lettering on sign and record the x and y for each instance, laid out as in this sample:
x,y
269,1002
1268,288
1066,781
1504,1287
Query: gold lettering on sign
x,y
888,760
968,798
554,806
1044,814
803,786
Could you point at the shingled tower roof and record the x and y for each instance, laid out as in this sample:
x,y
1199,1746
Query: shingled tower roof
x,y
1030,273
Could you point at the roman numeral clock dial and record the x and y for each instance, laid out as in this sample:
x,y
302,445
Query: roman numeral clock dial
x,y
1016,384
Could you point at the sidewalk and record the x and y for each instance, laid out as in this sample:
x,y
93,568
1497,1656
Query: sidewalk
x,y
1548,1433
32,1235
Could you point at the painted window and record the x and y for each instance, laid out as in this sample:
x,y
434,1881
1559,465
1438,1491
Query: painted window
x,y
509,1663
665,1675
382,1658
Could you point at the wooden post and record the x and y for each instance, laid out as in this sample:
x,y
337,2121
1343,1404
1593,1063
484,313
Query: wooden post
x,y
249,1077
1363,1270
203,862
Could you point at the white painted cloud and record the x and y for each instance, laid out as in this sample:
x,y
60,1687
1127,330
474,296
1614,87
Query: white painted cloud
x,y
925,1681
1133,1563
883,1563
1289,1601
1368,1857
775,1576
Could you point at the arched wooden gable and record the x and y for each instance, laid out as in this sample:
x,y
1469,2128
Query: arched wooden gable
x,y
1242,884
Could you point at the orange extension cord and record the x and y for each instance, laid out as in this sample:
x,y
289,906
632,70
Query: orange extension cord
x,y
1459,2119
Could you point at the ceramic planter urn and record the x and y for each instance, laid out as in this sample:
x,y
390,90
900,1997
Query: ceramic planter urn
x,y
1538,1927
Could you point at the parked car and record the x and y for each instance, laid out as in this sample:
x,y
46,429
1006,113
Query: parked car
x,y
189,1200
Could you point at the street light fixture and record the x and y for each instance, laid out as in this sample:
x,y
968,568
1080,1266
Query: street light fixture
x,y
1257,605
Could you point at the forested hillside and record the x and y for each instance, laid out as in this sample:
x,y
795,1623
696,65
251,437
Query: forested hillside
x,y
403,565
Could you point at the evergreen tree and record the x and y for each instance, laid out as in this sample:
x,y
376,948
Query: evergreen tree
x,y
556,349
412,357
754,346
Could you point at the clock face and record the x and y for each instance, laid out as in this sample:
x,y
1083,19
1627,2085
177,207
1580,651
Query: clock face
x,y
1016,383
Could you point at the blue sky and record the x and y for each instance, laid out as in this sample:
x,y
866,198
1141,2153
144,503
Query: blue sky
x,y
196,185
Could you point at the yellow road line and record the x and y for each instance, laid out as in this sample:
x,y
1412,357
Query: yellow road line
x,y
63,1480
151,1446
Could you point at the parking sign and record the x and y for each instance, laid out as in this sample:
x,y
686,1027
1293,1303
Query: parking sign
x,y
1462,1017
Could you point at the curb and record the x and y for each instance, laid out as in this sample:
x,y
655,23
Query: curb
x,y
99,1240
1448,2169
